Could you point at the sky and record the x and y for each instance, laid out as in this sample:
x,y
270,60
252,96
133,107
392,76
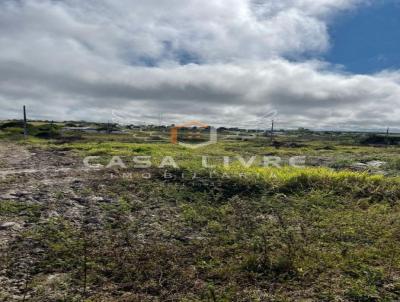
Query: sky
x,y
319,64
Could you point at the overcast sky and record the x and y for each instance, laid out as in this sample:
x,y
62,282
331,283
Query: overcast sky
x,y
224,62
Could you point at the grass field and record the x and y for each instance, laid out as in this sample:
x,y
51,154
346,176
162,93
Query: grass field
x,y
327,232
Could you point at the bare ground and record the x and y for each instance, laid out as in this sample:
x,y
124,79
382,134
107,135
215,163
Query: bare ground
x,y
59,183
33,176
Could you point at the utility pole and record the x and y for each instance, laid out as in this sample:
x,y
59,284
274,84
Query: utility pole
x,y
387,136
25,124
160,119
108,127
272,131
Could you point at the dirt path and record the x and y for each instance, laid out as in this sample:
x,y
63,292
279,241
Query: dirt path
x,y
13,155
25,170
51,179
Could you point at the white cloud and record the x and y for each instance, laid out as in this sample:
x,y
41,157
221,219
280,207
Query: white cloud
x,y
81,59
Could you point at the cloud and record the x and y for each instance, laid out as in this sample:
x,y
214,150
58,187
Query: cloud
x,y
220,61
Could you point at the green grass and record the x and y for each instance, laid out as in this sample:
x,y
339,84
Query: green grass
x,y
16,209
